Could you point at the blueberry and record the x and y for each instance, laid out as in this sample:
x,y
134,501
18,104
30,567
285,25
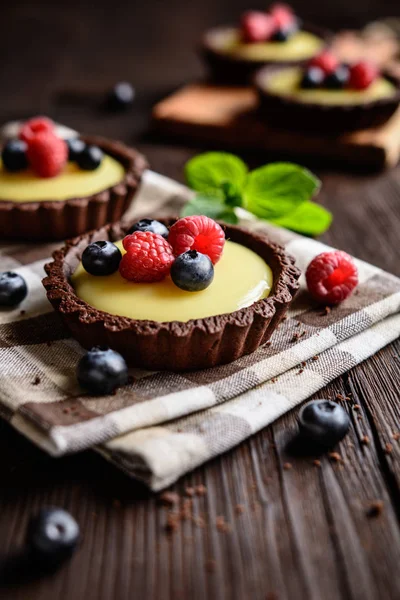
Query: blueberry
x,y
323,422
313,78
52,536
282,35
75,148
150,225
338,79
101,258
13,289
14,155
192,271
101,370
121,96
90,158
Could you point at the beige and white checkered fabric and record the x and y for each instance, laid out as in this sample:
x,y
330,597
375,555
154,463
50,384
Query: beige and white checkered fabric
x,y
165,424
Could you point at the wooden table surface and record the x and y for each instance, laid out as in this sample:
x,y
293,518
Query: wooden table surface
x,y
304,532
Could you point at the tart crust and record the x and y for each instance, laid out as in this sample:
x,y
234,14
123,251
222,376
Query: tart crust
x,y
61,219
175,345
228,68
291,113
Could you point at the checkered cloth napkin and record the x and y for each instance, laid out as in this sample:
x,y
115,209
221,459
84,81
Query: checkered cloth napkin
x,y
165,424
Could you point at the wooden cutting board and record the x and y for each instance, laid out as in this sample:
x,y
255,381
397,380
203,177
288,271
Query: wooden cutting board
x,y
224,116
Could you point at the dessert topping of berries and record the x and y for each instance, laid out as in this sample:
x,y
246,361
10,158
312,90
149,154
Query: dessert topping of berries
x,y
150,225
101,258
101,370
13,289
338,79
47,154
257,27
325,61
197,233
148,257
362,75
192,271
34,126
313,78
75,147
13,156
323,422
331,277
283,16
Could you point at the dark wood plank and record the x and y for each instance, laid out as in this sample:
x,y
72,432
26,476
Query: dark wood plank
x,y
303,532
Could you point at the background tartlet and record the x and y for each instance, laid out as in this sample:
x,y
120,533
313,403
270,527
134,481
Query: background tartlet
x,y
60,219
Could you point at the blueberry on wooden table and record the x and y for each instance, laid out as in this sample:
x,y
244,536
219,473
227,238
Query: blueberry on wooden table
x,y
150,225
323,422
121,96
13,289
101,370
52,536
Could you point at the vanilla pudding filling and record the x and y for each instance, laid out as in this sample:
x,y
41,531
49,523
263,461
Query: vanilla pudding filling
x,y
300,46
287,83
72,182
241,278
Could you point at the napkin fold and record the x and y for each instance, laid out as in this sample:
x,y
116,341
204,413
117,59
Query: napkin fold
x,y
163,425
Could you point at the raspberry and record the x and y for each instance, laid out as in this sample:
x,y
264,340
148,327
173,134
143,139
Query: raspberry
x,y
362,75
197,233
282,16
47,154
331,277
257,27
34,126
148,257
325,61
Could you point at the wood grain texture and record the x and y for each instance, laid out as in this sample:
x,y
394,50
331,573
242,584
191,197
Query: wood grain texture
x,y
295,533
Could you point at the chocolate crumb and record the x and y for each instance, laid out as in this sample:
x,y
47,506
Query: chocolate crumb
x,y
396,436
295,337
317,462
300,371
326,311
186,511
210,565
287,466
66,410
36,381
375,509
388,448
189,491
169,498
22,312
172,523
201,490
298,324
357,407
199,522
365,440
239,509
315,358
359,417
222,525
274,379
303,363
335,456
268,343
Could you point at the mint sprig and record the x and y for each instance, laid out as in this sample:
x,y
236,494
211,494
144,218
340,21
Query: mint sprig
x,y
278,192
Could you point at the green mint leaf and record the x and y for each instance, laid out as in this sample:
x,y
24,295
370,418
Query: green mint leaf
x,y
231,194
309,219
278,189
211,207
210,172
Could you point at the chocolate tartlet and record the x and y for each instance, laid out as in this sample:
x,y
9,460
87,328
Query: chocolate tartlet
x,y
174,345
232,68
48,220
290,111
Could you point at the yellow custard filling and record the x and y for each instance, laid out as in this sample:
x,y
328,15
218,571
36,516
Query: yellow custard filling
x,y
241,278
300,46
25,186
287,83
